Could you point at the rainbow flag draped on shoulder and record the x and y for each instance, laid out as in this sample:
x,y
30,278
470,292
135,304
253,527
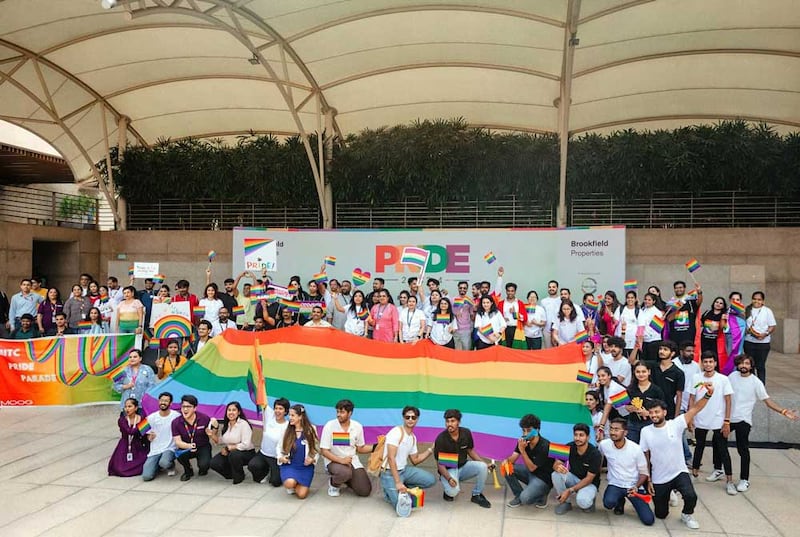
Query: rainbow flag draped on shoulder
x,y
316,368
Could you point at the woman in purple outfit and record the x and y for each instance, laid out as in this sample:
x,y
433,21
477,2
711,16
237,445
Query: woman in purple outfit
x,y
132,449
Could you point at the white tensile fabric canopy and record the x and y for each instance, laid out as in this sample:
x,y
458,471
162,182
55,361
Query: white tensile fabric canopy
x,y
75,73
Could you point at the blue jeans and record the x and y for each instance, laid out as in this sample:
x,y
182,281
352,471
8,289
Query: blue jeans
x,y
165,461
410,476
536,489
584,497
476,469
615,496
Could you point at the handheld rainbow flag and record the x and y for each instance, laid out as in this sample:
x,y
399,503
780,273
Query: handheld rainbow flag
x,y
341,439
251,245
530,310
581,336
558,451
585,376
620,399
330,260
506,468
460,301
255,299
130,270
158,279
692,295
258,290
363,314
657,323
198,311
631,285
321,277
417,497
737,308
143,426
85,325
487,330
290,305
256,383
448,460
490,257
592,302
442,318
211,255
414,256
238,310
692,265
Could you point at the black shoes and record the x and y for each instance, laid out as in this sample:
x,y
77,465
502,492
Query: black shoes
x,y
186,476
447,498
481,500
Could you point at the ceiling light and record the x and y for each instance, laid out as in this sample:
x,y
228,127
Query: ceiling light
x,y
108,4
254,60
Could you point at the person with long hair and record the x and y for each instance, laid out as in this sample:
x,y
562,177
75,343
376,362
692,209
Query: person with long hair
x,y
171,361
658,300
760,323
212,304
235,435
357,314
106,307
647,338
76,307
130,312
537,319
163,295
131,451
608,387
48,309
93,293
298,453
626,316
592,401
443,324
489,323
135,379
714,323
265,462
606,322
96,320
384,319
402,300
430,306
567,325
411,324
591,357
641,391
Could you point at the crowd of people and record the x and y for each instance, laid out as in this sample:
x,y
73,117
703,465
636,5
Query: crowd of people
x,y
646,388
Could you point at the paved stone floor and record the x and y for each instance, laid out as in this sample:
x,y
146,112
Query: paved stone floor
x,y
53,481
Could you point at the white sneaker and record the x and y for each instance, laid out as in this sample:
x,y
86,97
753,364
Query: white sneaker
x,y
291,491
690,522
716,475
743,486
264,481
172,472
673,498
730,488
333,491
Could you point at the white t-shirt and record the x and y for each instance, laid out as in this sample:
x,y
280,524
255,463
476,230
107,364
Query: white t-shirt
x,y
624,465
713,414
407,447
354,325
496,320
162,426
356,439
539,315
321,324
628,315
511,311
665,445
411,323
747,391
620,367
212,309
272,436
567,329
689,371
219,327
760,320
550,305
441,333
643,321
612,390
597,419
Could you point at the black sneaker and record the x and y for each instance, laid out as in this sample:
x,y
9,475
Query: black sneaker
x,y
481,500
447,498
203,472
619,509
186,476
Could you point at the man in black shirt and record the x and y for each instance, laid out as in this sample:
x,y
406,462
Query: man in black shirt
x,y
537,468
583,477
682,320
668,376
451,449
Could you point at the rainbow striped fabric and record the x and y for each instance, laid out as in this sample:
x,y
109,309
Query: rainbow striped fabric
x,y
657,323
631,285
158,279
442,318
530,310
461,301
238,310
692,265
143,426
252,245
620,399
558,451
414,256
581,336
737,308
330,260
417,497
448,460
363,314
211,255
490,257
585,376
85,325
320,277
341,439
198,311
130,270
487,329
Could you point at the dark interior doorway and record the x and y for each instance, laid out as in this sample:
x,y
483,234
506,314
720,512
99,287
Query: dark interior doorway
x,y
57,262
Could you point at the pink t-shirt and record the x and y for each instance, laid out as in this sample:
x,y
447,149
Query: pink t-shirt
x,y
386,320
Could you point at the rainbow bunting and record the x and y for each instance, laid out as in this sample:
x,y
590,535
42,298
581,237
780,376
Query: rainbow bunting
x,y
489,387
585,376
448,460
620,399
737,308
490,257
442,318
251,245
143,426
417,257
581,336
363,314
692,265
631,285
341,439
198,311
558,451
238,310
487,330
657,323
84,325
158,279
211,255
330,260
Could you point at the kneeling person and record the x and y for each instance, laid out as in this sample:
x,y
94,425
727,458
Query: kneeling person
x,y
452,448
537,469
401,447
583,476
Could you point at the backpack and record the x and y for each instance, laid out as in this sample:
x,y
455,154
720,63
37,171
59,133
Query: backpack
x,y
377,462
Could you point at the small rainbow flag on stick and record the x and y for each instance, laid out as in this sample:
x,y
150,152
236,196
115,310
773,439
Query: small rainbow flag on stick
x,y
320,277
158,279
460,301
558,451
211,255
198,311
130,270
143,426
442,318
487,330
363,314
581,336
258,290
417,257
490,257
417,497
592,302
448,460
631,285
657,323
620,399
341,439
737,308
330,260
238,310
85,325
691,295
692,265
585,376
530,310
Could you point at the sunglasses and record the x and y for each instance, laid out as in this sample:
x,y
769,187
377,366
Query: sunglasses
x,y
411,417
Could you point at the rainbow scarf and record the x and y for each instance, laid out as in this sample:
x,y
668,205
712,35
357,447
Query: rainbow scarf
x,y
448,460
341,439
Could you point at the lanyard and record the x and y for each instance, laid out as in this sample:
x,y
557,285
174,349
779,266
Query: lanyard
x,y
188,432
380,311
409,316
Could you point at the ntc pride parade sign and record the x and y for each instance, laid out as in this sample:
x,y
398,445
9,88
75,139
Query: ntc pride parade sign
x,y
587,260
67,370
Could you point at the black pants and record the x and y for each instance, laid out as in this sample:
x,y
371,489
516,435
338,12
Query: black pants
x,y
742,430
758,352
534,343
203,456
231,466
683,484
263,465
510,331
480,344
720,446
650,351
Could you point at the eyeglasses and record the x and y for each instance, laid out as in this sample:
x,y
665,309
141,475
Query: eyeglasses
x,y
187,406
411,417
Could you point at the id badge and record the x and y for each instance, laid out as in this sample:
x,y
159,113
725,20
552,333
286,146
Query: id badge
x,y
377,326
129,457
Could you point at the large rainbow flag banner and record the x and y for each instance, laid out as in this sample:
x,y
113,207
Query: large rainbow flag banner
x,y
318,367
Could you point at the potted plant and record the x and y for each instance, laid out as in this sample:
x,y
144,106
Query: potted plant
x,y
77,211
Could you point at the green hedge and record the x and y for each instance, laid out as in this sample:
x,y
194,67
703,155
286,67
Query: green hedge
x,y
447,160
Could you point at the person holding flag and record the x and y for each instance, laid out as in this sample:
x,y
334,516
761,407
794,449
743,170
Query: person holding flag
x,y
514,313
580,476
490,324
536,469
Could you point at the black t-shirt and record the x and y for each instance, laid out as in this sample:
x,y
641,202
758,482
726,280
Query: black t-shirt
x,y
589,462
650,394
445,444
711,322
670,381
229,301
539,455
274,311
681,327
